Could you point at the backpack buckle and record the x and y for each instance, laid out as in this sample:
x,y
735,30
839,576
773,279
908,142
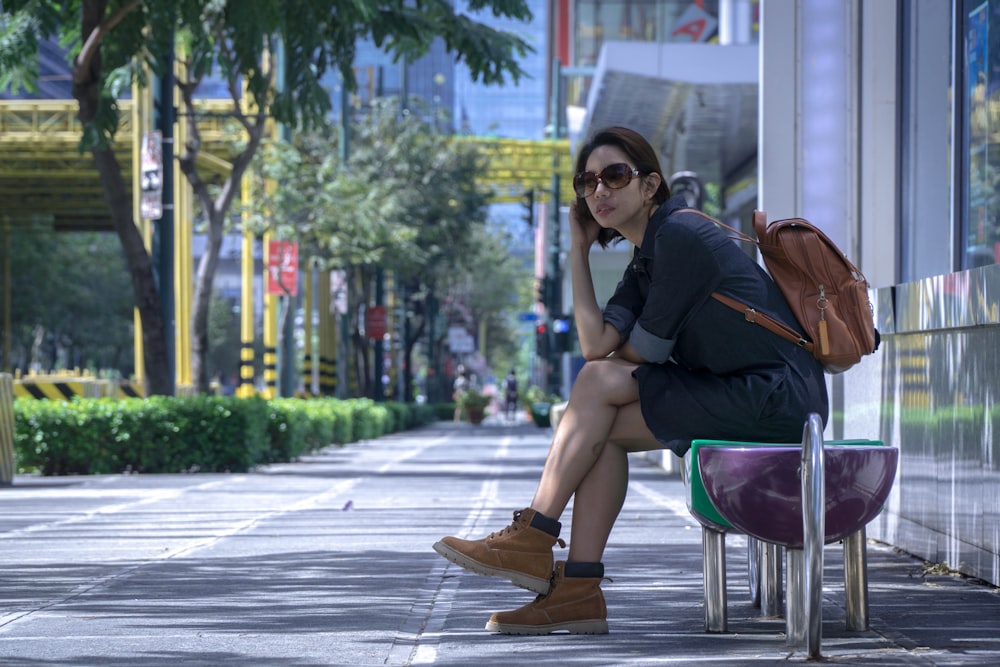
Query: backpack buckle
x,y
750,315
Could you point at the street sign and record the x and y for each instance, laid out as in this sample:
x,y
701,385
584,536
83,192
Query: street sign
x,y
527,317
460,341
151,175
282,268
376,324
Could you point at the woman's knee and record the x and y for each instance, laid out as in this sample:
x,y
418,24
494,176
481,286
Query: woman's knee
x,y
608,378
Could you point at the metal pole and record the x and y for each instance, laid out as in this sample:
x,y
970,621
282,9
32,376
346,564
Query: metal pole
x,y
342,349
377,348
165,226
6,295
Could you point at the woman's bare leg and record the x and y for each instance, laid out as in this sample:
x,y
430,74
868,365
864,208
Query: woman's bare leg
x,y
603,406
601,494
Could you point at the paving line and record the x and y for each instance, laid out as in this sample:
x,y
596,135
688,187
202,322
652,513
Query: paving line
x,y
151,497
418,639
98,582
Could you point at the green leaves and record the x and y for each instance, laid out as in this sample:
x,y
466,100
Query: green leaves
x,y
240,39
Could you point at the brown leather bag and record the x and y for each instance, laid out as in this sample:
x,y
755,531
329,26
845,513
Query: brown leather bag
x,y
825,290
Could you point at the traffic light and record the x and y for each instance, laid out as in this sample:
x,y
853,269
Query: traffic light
x,y
542,340
529,207
560,329
542,290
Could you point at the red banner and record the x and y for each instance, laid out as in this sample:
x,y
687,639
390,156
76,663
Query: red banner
x,y
282,268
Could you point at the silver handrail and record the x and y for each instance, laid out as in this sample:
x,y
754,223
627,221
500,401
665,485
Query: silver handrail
x,y
804,610
813,528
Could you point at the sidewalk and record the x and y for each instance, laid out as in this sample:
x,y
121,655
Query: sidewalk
x,y
328,561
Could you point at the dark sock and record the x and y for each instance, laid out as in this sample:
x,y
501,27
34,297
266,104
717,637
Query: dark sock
x,y
542,522
586,570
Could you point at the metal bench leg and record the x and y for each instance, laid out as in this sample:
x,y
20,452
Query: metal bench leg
x,y
713,547
771,596
755,564
795,604
856,580
764,571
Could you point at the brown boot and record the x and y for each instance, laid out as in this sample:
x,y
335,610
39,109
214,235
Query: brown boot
x,y
520,552
574,604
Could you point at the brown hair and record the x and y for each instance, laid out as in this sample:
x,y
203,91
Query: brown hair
x,y
642,155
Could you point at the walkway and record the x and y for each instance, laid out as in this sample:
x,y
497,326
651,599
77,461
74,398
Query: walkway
x,y
328,562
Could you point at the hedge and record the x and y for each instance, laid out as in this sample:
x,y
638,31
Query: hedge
x,y
192,434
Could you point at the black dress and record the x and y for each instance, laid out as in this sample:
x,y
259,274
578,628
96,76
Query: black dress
x,y
711,374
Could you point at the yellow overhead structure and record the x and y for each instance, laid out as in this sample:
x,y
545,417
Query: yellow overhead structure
x,y
518,165
44,178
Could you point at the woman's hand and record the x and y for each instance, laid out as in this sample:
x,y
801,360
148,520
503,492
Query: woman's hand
x,y
583,229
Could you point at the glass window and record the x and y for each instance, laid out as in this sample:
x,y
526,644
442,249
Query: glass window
x,y
980,113
925,139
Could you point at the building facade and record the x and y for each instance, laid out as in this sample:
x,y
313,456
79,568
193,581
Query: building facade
x,y
876,120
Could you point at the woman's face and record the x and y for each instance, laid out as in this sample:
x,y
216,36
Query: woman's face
x,y
615,208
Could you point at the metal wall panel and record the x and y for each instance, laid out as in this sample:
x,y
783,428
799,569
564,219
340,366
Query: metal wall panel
x,y
933,390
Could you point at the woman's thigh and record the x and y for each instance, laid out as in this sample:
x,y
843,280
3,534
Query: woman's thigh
x,y
609,381
629,430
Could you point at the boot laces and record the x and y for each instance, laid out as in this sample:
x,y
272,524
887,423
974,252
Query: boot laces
x,y
507,530
516,526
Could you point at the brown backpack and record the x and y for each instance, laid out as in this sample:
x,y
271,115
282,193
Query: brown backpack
x,y
825,290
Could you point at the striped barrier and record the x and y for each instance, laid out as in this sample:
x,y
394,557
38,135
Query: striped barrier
x,y
58,388
129,389
6,429
65,387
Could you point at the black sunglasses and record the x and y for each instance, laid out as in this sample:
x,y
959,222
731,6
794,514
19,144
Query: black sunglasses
x,y
614,176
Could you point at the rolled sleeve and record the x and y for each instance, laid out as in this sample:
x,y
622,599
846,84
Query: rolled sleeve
x,y
620,318
650,347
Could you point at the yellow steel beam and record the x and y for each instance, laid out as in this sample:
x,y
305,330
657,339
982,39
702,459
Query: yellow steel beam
x,y
43,174
45,177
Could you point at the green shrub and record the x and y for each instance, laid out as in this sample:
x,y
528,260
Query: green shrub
x,y
188,434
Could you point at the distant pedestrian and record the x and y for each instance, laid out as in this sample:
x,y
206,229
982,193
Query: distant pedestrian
x,y
510,395
460,386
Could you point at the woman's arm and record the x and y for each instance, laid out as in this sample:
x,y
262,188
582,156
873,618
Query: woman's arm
x,y
628,353
597,338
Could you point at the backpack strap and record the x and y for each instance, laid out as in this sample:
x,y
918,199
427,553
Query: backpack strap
x,y
752,314
737,234
765,320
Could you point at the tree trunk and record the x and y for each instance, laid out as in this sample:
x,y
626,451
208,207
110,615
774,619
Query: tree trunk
x,y
86,75
203,282
215,211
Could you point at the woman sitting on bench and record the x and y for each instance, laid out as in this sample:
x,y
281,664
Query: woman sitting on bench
x,y
665,364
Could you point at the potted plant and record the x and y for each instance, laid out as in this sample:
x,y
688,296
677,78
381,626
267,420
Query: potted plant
x,y
473,402
538,403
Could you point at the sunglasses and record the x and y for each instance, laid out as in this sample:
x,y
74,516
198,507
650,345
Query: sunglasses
x,y
614,176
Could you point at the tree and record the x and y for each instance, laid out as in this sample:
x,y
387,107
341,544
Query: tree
x,y
407,199
240,40
70,304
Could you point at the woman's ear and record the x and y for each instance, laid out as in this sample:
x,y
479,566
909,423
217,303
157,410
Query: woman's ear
x,y
651,184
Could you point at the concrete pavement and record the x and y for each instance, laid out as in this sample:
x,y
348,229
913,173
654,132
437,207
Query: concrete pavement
x,y
328,561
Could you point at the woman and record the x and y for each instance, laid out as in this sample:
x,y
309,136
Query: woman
x,y
666,364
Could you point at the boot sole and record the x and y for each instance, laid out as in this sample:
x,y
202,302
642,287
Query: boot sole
x,y
594,627
519,579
